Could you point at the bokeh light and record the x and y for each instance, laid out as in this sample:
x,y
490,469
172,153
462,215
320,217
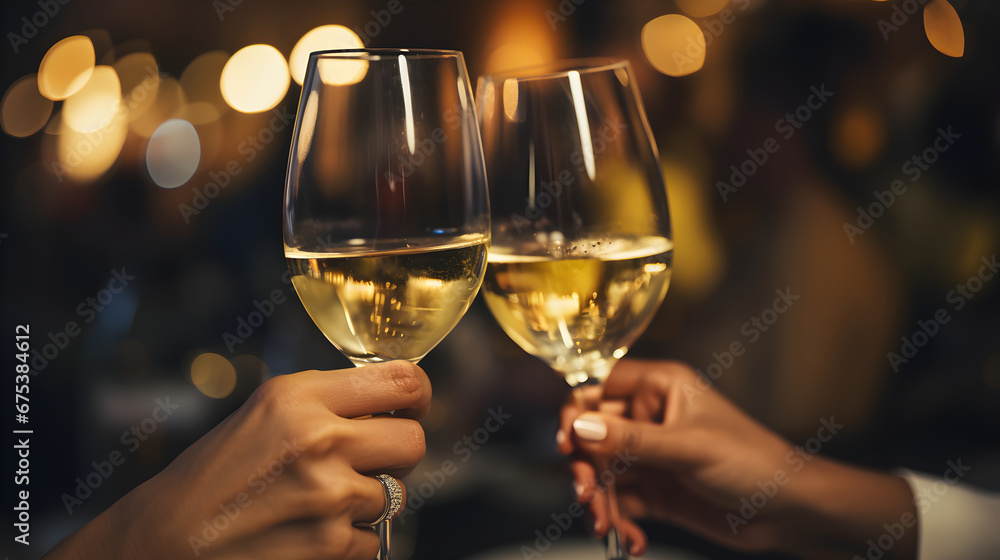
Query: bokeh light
x,y
96,103
201,81
169,100
173,153
140,81
519,38
702,8
213,375
24,110
858,136
85,156
674,45
322,38
66,67
255,79
944,28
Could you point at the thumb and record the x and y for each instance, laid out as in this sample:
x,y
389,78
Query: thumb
x,y
645,442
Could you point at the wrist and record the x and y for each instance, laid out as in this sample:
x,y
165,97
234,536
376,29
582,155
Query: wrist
x,y
836,510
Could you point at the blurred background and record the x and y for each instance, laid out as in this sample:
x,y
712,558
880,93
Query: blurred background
x,y
144,150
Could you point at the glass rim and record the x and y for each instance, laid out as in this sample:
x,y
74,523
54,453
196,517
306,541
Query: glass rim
x,y
377,54
561,68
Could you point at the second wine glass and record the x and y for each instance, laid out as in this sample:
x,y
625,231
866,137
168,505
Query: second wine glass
x,y
581,252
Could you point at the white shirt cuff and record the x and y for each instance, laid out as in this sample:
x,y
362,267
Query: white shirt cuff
x,y
956,522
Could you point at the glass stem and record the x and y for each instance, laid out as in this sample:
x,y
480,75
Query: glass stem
x,y
384,538
614,547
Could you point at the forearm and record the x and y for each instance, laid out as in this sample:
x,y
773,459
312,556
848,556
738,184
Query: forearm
x,y
839,511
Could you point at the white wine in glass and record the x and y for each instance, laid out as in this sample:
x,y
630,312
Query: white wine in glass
x,y
386,212
582,250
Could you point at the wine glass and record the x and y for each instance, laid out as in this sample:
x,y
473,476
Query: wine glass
x,y
386,213
581,252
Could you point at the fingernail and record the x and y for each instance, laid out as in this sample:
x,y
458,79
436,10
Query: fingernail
x,y
560,437
590,427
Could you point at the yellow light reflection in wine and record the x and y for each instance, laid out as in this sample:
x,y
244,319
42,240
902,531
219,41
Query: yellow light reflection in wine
x,y
323,38
510,98
213,375
702,8
66,67
24,110
140,80
310,115
255,79
173,153
85,156
944,28
674,45
96,103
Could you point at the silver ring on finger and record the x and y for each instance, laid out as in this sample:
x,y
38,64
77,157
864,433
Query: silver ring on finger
x,y
393,499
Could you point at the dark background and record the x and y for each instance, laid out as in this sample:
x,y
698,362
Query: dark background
x,y
827,356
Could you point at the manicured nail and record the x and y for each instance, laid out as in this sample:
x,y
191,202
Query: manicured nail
x,y
590,427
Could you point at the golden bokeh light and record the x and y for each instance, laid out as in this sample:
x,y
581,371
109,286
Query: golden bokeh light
x,y
702,8
201,80
199,113
944,28
674,45
96,103
322,38
519,38
169,100
173,153
24,110
66,67
213,375
85,156
140,80
858,136
255,79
